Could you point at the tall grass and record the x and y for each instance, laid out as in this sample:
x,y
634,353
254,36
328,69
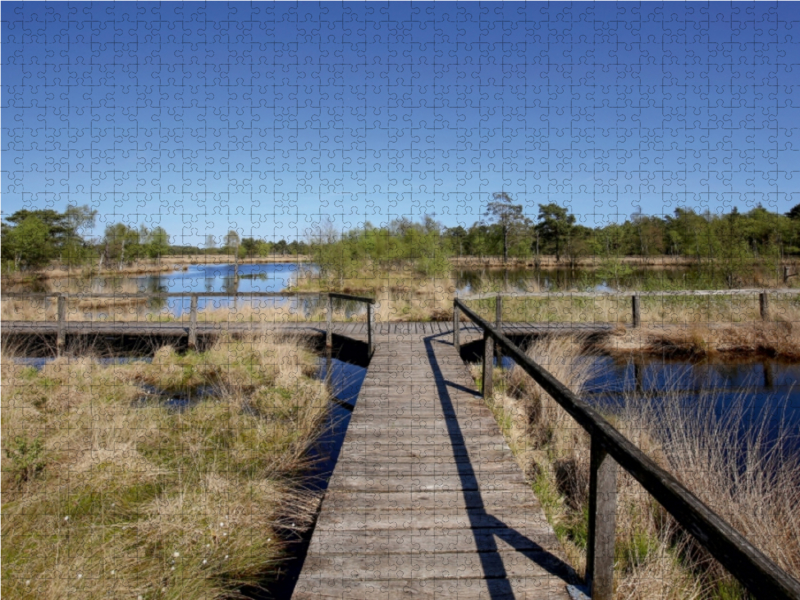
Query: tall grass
x,y
655,310
727,461
108,492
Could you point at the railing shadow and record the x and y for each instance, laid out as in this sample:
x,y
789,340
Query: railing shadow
x,y
485,527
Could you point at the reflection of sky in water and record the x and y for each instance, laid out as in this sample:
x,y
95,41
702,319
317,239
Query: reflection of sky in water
x,y
763,385
765,388
346,380
220,279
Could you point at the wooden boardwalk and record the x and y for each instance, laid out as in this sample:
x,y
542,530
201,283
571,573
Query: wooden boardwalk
x,y
355,330
426,499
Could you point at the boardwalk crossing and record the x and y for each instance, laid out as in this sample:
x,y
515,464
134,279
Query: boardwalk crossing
x,y
426,499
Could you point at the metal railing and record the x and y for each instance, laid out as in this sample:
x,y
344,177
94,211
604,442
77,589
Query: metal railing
x,y
63,298
609,448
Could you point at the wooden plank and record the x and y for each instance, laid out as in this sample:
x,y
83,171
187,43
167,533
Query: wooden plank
x,y
342,501
415,540
361,588
472,564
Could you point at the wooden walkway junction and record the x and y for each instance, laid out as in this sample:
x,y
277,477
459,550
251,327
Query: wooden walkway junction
x,y
426,498
356,330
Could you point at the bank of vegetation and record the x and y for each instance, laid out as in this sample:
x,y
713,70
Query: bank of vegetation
x,y
730,461
113,488
46,243
743,246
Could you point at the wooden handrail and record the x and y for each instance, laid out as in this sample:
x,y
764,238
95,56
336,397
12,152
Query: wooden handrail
x,y
754,570
763,298
63,298
666,293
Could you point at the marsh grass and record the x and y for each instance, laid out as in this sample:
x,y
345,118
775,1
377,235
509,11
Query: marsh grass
x,y
107,492
732,462
562,307
777,338
402,293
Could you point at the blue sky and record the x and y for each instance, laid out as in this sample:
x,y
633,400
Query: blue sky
x,y
269,118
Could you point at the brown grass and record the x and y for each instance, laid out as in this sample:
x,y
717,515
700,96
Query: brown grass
x,y
654,559
547,261
109,493
706,339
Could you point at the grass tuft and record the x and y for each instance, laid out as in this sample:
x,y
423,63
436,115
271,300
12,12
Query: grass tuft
x,y
109,492
729,461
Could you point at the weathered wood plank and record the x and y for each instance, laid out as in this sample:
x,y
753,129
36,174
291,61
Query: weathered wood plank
x,y
415,540
472,564
515,588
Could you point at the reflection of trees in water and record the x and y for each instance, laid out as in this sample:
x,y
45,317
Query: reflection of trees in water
x,y
154,284
230,284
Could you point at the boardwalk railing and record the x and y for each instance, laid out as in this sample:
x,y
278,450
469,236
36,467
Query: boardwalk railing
x,y
636,318
63,298
609,448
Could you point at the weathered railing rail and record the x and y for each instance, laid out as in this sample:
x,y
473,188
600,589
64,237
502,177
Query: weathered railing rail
x,y
63,298
609,448
636,319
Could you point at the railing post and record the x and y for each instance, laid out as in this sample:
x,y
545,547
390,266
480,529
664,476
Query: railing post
x,y
456,327
370,320
61,336
636,309
498,321
763,304
193,322
602,523
329,333
488,365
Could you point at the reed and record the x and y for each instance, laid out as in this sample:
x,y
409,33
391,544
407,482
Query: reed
x,y
728,461
108,492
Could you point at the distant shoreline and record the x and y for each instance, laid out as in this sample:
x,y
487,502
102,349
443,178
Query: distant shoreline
x,y
544,262
165,265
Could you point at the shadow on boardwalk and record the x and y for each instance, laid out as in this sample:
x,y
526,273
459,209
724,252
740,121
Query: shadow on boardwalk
x,y
488,551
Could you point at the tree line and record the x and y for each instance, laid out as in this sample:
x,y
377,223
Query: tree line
x,y
33,239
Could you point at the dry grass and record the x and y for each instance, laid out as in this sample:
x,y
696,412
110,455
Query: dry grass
x,y
654,559
564,308
547,261
107,492
401,293
705,339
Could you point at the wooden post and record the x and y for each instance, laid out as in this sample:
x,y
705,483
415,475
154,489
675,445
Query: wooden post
x,y
193,323
61,336
785,273
370,319
636,309
488,365
328,366
456,327
763,304
602,523
498,321
329,333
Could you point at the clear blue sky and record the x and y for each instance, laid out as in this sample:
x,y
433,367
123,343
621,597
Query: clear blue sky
x,y
269,117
